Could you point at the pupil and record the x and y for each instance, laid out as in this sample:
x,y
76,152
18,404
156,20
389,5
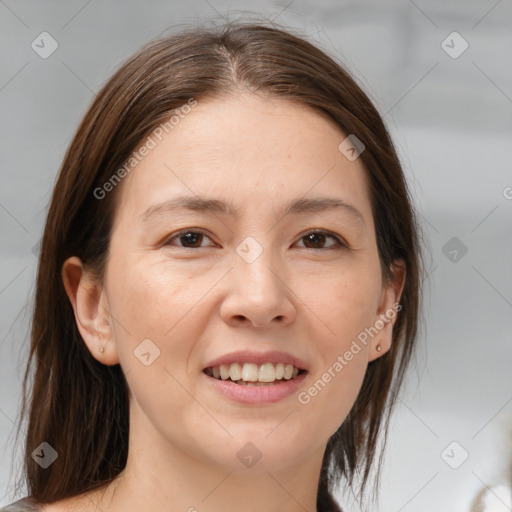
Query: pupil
x,y
191,238
194,238
313,237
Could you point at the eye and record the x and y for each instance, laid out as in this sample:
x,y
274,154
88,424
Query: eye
x,y
189,239
318,237
314,239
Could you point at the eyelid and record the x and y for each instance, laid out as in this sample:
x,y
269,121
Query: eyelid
x,y
338,238
340,241
173,236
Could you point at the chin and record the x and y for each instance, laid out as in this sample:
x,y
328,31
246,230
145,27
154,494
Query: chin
x,y
256,451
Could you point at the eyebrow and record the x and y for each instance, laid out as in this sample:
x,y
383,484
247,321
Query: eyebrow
x,y
217,206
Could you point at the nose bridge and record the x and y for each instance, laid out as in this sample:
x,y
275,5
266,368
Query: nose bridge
x,y
255,264
258,293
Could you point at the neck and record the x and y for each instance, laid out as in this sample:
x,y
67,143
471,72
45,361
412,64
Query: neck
x,y
160,476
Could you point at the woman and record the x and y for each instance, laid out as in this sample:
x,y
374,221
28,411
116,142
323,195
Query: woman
x,y
228,289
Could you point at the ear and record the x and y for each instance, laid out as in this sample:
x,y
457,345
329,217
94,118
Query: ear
x,y
92,314
388,311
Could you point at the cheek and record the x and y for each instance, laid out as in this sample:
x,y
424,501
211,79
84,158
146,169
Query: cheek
x,y
347,304
330,394
159,325
153,296
150,304
347,307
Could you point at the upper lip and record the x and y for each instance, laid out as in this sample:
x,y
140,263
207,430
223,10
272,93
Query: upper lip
x,y
247,356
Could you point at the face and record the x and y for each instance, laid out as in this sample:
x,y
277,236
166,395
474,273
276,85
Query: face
x,y
187,286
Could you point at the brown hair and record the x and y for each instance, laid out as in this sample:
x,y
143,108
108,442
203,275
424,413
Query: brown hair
x,y
80,406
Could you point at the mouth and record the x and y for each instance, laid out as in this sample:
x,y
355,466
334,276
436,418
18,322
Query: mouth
x,y
252,374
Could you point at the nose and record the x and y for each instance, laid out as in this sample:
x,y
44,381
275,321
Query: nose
x,y
259,294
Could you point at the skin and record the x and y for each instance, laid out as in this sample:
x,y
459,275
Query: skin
x,y
199,303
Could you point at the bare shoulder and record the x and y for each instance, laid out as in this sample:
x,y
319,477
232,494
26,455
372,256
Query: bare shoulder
x,y
89,501
63,505
26,504
81,503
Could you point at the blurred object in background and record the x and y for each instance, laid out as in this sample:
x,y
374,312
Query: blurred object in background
x,y
493,499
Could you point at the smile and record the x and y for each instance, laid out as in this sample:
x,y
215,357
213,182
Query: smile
x,y
251,374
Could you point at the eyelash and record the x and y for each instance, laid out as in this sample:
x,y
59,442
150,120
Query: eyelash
x,y
339,242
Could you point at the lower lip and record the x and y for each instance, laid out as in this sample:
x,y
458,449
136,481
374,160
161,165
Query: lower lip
x,y
256,394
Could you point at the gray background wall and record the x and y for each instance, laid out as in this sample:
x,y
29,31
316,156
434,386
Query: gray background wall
x,y
451,116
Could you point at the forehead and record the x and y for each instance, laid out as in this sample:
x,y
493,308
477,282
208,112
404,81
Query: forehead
x,y
249,151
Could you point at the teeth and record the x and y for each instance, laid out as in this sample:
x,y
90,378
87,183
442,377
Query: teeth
x,y
235,371
279,371
254,384
288,371
267,373
224,371
251,374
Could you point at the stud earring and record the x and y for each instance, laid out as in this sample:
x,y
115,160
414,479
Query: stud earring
x,y
102,348
379,348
